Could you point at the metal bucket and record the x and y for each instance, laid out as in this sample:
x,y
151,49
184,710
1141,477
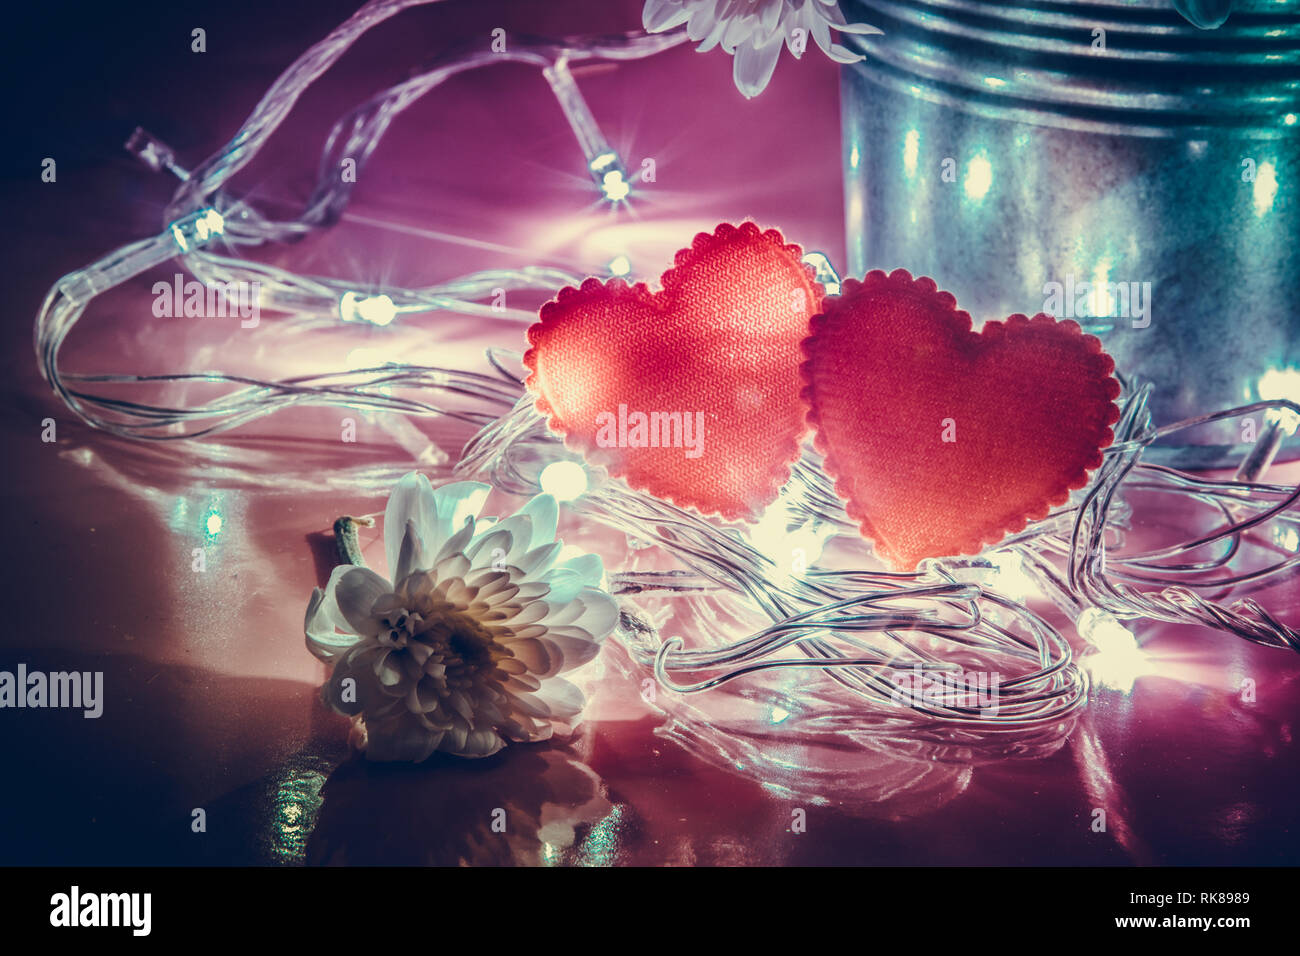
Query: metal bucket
x,y
1016,150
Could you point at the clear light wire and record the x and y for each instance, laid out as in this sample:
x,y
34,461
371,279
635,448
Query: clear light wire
x,y
870,630
201,197
867,630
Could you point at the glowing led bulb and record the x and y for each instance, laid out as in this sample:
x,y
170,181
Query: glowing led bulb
x,y
1265,189
603,161
614,186
607,169
792,551
565,480
211,224
1288,539
979,177
375,309
198,228
1009,577
1281,383
1105,632
620,266
1119,662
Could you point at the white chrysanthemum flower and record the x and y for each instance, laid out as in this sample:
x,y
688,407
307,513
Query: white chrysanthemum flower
x,y
754,30
463,649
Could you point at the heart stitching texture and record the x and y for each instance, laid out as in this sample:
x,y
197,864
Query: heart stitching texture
x,y
692,393
940,439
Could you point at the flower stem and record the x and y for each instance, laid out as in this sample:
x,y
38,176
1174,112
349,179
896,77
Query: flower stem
x,y
345,539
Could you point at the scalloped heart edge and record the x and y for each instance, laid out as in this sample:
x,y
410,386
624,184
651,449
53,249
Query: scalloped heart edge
x,y
878,279
560,308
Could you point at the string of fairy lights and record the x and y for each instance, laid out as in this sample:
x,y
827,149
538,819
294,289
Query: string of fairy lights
x,y
869,631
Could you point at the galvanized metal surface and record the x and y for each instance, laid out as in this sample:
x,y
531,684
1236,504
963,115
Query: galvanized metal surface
x,y
1016,150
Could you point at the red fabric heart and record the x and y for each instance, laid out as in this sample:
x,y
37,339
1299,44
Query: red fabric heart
x,y
719,344
891,364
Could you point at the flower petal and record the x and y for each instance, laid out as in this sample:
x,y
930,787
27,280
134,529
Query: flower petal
x,y
557,699
588,566
411,501
483,742
754,67
456,543
356,591
491,549
410,556
534,655
454,503
821,33
569,577
323,639
842,54
572,651
601,614
519,528
861,29
545,515
402,738
660,15
736,31
592,610
769,18
362,693
452,566
539,560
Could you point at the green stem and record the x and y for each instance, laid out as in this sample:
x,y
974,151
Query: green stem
x,y
345,539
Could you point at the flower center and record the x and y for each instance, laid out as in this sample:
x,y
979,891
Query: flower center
x,y
470,648
399,628
464,648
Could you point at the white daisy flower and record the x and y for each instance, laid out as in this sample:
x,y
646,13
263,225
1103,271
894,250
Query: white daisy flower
x,y
753,31
463,649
